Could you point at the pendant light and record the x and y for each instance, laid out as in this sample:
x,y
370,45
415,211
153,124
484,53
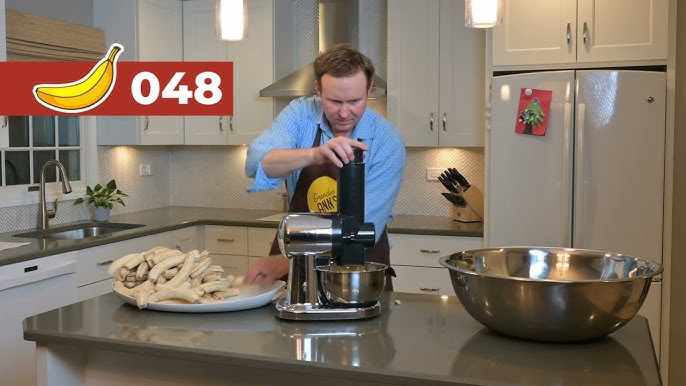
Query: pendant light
x,y
483,13
232,19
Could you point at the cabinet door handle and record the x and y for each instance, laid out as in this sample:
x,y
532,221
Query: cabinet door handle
x,y
429,289
231,123
221,240
431,122
5,121
106,262
445,119
569,34
147,123
221,125
430,250
585,32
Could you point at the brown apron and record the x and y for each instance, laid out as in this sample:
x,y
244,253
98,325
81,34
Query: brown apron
x,y
379,253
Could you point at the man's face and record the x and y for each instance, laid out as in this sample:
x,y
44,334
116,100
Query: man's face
x,y
344,101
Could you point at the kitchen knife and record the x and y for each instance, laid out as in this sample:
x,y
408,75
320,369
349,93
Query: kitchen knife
x,y
447,176
447,183
457,176
455,199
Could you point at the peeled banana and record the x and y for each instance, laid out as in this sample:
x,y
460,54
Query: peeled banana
x,y
85,93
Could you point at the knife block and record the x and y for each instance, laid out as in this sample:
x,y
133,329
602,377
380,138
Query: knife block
x,y
474,210
464,214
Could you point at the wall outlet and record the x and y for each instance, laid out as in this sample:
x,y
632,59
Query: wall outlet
x,y
145,169
432,173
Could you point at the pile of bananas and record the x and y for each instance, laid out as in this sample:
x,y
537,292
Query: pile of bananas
x,y
169,276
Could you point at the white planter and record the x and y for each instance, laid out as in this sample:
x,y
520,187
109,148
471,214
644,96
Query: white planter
x,y
101,213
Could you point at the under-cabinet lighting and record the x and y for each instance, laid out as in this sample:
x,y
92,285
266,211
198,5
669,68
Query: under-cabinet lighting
x,y
483,13
232,19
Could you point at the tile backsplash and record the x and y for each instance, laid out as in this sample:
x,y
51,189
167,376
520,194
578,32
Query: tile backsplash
x,y
214,176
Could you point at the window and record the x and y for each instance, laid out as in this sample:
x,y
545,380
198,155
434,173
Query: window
x,y
26,143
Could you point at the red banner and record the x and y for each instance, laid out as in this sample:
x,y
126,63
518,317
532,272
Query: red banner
x,y
130,88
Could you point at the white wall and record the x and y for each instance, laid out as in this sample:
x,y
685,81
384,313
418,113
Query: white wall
x,y
73,11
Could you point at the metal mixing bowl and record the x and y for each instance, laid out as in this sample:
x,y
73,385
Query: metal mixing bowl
x,y
550,294
355,286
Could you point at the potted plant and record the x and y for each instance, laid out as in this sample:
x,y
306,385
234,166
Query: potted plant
x,y
101,199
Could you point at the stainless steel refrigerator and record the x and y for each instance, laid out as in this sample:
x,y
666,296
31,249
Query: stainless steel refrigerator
x,y
595,180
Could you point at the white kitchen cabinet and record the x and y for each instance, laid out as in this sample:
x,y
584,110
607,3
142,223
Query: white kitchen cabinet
x,y
415,261
149,30
536,32
30,288
436,74
259,243
235,248
253,62
3,56
185,239
92,263
228,247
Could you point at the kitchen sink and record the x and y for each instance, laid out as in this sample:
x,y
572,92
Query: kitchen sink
x,y
79,231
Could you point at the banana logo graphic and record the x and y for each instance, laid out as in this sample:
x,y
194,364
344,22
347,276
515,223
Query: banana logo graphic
x,y
85,93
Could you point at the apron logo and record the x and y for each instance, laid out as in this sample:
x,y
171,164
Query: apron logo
x,y
322,196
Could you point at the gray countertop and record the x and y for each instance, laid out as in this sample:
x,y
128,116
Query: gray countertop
x,y
417,340
170,218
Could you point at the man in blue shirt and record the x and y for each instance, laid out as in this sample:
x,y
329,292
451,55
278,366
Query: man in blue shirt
x,y
313,136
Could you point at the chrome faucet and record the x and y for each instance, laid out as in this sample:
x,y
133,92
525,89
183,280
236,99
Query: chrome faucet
x,y
44,214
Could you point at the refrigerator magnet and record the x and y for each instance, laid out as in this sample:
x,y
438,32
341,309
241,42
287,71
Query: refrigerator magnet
x,y
532,114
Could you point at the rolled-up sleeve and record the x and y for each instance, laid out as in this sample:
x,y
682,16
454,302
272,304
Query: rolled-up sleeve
x,y
282,134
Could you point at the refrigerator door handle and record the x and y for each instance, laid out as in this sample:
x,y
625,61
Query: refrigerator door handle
x,y
580,183
567,185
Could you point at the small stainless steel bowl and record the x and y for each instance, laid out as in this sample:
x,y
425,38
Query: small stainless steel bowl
x,y
550,294
358,286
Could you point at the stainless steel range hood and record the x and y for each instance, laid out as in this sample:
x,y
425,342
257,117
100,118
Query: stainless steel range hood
x,y
338,23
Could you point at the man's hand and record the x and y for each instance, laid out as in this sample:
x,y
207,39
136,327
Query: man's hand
x,y
338,150
267,270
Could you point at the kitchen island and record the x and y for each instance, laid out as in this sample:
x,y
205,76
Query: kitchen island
x,y
417,340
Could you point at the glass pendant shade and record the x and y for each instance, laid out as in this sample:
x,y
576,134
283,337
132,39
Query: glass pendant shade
x,y
232,19
483,13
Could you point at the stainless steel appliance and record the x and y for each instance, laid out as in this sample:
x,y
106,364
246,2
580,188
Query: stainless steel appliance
x,y
328,278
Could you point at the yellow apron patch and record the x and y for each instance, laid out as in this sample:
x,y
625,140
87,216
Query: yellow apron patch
x,y
321,195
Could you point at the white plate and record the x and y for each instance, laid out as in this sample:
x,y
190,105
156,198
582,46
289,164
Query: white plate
x,y
250,296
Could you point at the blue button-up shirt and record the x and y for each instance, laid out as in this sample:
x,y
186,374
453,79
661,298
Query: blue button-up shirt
x,y
296,127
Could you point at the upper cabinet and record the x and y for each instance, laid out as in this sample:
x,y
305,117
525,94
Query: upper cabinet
x,y
253,62
540,32
174,30
436,74
149,30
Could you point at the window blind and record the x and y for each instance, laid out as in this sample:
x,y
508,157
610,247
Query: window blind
x,y
37,38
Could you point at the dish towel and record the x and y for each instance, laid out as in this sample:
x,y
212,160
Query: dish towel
x,y
7,245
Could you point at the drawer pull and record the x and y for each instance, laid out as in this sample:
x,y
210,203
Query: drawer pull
x,y
221,240
429,289
106,262
430,250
